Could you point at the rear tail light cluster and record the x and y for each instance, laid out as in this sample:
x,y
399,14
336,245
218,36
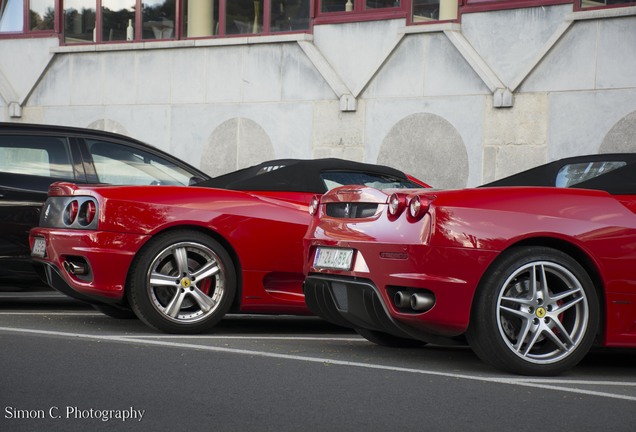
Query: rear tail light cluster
x,y
416,205
80,213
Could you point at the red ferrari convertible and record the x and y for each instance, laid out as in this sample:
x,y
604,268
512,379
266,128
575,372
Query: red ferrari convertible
x,y
531,270
181,257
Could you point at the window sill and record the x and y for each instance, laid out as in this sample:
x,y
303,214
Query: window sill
x,y
430,28
189,43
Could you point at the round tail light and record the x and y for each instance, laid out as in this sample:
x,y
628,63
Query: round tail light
x,y
87,213
70,212
396,203
418,207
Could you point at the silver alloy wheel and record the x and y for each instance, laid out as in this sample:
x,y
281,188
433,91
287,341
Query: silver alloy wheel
x,y
542,312
186,282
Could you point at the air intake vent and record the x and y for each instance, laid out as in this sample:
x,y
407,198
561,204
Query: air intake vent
x,y
351,210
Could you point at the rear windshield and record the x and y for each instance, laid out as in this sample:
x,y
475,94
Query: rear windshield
x,y
577,173
334,179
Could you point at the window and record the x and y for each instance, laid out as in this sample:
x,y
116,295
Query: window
x,y
118,20
576,173
158,19
289,15
334,179
37,156
434,10
359,10
11,16
243,17
79,21
356,5
40,16
596,4
119,164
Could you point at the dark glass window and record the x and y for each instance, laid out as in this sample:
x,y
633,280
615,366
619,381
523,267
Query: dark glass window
x,y
42,15
38,156
118,20
79,21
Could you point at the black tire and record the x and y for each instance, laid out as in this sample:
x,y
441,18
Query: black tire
x,y
182,282
539,331
389,340
115,312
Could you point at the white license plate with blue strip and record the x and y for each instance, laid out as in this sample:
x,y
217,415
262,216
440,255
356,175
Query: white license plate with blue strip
x,y
333,258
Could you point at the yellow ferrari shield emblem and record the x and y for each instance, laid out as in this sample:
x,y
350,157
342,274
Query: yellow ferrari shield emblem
x,y
541,312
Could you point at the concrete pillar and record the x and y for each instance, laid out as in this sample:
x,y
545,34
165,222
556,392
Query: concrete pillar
x,y
200,18
448,9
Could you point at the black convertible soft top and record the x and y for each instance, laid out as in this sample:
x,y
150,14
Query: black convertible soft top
x,y
297,175
617,176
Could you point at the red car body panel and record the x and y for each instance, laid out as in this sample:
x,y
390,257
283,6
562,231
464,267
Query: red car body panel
x,y
448,251
264,236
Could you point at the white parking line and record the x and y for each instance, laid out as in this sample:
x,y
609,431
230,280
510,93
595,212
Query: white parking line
x,y
525,382
39,313
256,337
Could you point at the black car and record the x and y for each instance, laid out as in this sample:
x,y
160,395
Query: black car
x,y
34,156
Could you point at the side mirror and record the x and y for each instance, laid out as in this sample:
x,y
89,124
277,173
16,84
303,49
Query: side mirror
x,y
194,180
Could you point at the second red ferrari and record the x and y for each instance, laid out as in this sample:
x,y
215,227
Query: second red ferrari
x,y
531,271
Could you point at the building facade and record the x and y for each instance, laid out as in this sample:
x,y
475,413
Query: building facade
x,y
457,93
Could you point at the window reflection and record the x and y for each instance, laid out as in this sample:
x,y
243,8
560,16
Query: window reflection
x,y
576,173
289,15
200,18
119,164
601,3
79,21
335,5
42,15
433,10
40,156
118,20
244,17
158,19
11,16
380,4
357,6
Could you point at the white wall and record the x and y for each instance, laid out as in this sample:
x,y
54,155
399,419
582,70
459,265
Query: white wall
x,y
455,105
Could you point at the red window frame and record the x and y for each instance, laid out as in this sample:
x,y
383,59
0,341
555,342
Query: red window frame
x,y
360,13
627,3
26,31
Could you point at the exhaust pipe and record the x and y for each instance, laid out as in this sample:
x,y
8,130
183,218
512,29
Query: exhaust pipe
x,y
402,300
75,268
422,302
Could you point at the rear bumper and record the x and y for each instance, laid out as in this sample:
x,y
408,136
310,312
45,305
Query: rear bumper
x,y
358,303
364,302
350,303
106,257
55,280
366,296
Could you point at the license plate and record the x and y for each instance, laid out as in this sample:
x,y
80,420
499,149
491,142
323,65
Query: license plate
x,y
333,258
39,247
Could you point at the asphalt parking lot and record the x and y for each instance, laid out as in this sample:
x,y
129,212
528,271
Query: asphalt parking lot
x,y
67,367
